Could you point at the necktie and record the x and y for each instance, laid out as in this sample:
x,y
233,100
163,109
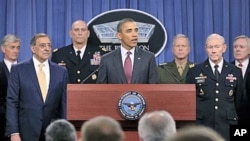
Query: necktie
x,y
216,72
42,81
128,67
241,67
180,70
78,56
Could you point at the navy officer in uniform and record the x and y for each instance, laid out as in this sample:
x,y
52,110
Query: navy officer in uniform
x,y
218,88
80,58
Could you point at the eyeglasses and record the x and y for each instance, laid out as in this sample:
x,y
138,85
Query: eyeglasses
x,y
44,45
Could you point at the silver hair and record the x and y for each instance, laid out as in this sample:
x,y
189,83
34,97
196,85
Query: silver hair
x,y
10,38
156,126
60,130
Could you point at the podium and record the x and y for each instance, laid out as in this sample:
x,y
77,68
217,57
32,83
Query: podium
x,y
85,101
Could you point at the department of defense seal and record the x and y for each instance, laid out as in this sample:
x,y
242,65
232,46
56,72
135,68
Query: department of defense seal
x,y
131,105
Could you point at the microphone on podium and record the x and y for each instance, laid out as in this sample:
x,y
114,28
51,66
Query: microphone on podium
x,y
86,78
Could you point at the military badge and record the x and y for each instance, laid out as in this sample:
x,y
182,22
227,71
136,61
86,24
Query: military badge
x,y
231,78
231,92
201,92
200,79
131,105
62,63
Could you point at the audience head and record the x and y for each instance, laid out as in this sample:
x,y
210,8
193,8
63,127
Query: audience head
x,y
181,47
10,46
241,48
79,33
41,47
127,33
60,130
101,128
215,47
156,126
196,133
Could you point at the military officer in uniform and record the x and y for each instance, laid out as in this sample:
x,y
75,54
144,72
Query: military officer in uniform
x,y
175,72
80,58
218,88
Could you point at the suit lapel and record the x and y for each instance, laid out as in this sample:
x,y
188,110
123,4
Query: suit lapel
x,y
208,70
32,71
72,56
52,80
117,62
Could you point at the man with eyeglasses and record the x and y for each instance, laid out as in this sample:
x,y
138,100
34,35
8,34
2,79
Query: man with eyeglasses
x,y
218,88
35,95
10,47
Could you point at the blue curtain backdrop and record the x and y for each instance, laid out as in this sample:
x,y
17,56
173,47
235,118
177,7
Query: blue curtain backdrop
x,y
195,18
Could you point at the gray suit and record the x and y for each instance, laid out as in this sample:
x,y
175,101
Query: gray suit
x,y
144,69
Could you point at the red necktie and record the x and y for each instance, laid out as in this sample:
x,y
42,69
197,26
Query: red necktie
x,y
128,67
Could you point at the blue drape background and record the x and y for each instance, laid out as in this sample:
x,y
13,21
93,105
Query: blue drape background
x,y
195,18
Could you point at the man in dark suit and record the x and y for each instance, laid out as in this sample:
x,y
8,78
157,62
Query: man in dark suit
x,y
10,47
36,93
79,67
241,55
175,72
218,88
129,63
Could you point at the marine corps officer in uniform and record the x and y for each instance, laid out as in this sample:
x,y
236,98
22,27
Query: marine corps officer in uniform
x,y
218,88
175,72
80,58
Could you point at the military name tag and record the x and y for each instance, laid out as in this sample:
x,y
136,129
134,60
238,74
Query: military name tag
x,y
131,105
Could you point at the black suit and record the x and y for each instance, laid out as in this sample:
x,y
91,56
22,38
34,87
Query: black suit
x,y
244,113
3,94
77,71
217,101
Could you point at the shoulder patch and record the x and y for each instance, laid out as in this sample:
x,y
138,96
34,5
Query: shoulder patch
x,y
55,50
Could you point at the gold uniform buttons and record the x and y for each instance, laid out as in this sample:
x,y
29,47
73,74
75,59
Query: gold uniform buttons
x,y
215,107
217,99
217,84
78,80
216,91
78,72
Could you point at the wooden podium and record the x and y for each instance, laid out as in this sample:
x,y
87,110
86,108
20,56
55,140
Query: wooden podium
x,y
85,101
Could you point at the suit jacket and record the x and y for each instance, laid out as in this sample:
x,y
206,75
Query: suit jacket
x,y
144,69
244,113
77,72
27,113
217,102
169,74
3,93
3,88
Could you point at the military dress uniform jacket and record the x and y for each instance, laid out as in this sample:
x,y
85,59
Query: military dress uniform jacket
x,y
168,73
217,102
77,71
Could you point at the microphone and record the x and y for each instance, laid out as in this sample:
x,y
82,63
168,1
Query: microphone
x,y
86,78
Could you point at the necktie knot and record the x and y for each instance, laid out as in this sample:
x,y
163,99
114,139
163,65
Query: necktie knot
x,y
180,70
216,71
78,52
240,65
41,66
128,67
216,66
